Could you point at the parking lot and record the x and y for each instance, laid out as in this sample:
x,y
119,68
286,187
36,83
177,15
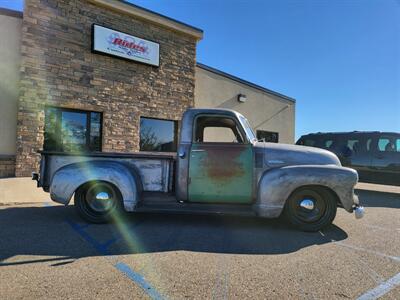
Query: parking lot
x,y
46,251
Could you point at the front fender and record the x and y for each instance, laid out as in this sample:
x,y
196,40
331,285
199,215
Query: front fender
x,y
276,185
70,177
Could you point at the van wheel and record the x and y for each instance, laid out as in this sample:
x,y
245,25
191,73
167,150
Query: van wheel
x,y
311,208
98,201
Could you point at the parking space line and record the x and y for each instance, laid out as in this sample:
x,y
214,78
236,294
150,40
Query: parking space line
x,y
382,228
381,289
395,258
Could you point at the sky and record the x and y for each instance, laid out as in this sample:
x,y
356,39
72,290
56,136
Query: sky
x,y
339,59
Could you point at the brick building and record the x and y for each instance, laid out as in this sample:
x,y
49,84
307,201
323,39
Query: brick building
x,y
106,75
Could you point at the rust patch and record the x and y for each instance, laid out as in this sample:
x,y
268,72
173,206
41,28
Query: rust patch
x,y
222,164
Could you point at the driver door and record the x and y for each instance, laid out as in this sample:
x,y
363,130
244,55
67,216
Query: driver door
x,y
220,162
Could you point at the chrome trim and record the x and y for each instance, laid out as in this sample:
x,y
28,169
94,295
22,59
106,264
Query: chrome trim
x,y
359,212
307,204
102,196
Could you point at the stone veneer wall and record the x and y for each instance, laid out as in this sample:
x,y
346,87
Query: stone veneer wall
x,y
7,166
58,68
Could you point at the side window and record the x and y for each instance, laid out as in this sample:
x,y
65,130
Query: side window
x,y
369,141
215,129
268,136
327,143
309,142
384,144
357,145
388,144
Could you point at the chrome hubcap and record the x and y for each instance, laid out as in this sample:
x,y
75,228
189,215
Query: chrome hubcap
x,y
307,204
102,196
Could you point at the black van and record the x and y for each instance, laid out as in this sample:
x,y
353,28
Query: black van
x,y
375,155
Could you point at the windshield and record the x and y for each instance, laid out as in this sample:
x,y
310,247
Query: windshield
x,y
247,128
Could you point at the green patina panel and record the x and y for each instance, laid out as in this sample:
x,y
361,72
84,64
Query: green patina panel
x,y
221,173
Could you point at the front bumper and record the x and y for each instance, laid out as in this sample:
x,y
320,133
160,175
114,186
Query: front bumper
x,y
359,211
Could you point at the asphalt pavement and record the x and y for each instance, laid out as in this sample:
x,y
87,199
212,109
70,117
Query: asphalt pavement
x,y
47,251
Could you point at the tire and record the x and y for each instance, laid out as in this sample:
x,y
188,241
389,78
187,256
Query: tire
x,y
311,208
98,202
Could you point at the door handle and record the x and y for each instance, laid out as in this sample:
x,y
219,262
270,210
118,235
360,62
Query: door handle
x,y
198,150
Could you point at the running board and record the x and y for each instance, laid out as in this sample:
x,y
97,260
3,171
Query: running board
x,y
196,208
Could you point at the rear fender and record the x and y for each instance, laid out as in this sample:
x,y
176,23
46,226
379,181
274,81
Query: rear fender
x,y
70,177
276,185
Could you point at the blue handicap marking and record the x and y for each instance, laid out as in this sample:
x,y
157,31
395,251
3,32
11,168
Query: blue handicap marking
x,y
120,266
138,279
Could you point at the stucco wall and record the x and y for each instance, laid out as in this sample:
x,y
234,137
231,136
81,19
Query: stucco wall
x,y
263,110
10,37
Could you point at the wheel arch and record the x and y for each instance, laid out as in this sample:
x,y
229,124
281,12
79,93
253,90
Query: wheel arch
x,y
316,186
68,179
276,185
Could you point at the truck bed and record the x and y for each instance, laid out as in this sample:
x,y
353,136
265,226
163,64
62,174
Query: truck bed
x,y
156,170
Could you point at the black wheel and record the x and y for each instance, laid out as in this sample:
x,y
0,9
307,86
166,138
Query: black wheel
x,y
98,201
311,208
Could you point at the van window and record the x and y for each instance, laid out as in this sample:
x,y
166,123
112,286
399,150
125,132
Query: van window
x,y
308,142
369,141
389,144
354,145
327,143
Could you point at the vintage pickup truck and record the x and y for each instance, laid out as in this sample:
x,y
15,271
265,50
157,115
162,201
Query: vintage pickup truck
x,y
242,177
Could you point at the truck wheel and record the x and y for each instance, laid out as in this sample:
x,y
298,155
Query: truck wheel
x,y
98,201
311,208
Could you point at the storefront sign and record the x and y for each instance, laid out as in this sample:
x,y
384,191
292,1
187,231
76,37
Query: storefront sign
x,y
109,41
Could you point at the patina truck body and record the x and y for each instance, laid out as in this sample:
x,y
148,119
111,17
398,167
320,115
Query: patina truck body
x,y
243,177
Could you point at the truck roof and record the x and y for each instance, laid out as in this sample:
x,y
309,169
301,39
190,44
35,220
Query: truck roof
x,y
212,110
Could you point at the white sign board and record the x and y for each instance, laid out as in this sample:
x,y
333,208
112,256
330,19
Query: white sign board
x,y
109,41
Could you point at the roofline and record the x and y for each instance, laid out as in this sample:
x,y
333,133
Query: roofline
x,y
245,82
128,8
10,12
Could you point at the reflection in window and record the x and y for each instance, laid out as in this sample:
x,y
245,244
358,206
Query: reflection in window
x,y
388,144
216,129
219,135
353,145
268,136
328,143
158,135
69,130
308,142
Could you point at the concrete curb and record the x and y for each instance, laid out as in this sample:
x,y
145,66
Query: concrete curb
x,y
21,190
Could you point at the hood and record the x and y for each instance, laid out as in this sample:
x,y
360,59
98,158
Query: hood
x,y
278,155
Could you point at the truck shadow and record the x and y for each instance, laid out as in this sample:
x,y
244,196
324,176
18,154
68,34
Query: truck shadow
x,y
56,231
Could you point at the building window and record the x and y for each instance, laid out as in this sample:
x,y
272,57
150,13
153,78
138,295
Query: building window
x,y
158,135
69,130
268,136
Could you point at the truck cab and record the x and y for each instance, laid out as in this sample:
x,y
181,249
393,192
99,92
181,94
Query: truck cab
x,y
219,167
